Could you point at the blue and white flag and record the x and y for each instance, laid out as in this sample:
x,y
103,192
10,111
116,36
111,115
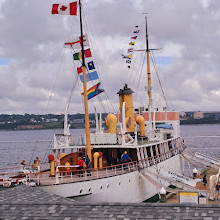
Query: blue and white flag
x,y
90,76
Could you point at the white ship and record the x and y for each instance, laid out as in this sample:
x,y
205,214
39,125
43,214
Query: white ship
x,y
149,134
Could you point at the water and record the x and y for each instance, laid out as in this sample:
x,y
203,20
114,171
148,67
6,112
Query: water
x,y
18,145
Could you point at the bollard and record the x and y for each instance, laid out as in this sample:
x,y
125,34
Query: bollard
x,y
163,193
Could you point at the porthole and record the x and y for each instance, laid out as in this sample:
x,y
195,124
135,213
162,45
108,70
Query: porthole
x,y
108,186
80,191
100,187
119,183
89,189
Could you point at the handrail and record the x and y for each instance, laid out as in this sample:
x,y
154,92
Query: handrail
x,y
106,167
10,168
112,170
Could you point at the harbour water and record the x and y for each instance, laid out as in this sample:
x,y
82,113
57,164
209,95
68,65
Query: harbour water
x,y
18,145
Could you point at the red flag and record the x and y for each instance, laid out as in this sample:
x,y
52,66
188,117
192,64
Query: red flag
x,y
70,9
87,53
135,37
76,42
79,70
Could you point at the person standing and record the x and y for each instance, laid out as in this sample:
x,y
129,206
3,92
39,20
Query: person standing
x,y
34,166
38,164
204,182
217,188
67,166
88,165
58,161
80,166
125,158
23,162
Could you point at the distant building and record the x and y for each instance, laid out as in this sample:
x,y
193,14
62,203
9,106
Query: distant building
x,y
212,115
207,115
77,121
29,127
198,115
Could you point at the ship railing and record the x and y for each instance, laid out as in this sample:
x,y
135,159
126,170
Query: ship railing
x,y
150,161
69,176
14,169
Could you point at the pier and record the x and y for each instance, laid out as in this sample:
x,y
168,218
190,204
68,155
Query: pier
x,y
23,202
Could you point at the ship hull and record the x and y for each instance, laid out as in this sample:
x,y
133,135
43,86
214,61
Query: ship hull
x,y
128,187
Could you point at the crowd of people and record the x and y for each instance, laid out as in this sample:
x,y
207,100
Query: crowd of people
x,y
87,164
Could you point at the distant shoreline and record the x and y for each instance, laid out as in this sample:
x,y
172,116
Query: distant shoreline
x,y
93,126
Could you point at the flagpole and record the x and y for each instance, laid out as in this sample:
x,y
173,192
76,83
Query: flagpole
x,y
88,143
148,68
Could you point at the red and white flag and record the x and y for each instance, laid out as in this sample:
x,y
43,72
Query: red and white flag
x,y
70,9
76,42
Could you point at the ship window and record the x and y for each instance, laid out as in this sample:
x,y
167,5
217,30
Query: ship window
x,y
108,186
100,187
89,189
80,191
129,180
146,109
119,183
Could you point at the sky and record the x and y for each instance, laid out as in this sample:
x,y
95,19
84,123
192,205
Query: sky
x,y
37,75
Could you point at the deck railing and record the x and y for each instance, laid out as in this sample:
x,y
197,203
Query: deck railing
x,y
68,176
73,175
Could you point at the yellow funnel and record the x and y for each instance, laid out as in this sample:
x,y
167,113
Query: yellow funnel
x,y
125,95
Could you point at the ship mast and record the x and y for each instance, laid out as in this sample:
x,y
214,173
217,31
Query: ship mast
x,y
88,144
148,67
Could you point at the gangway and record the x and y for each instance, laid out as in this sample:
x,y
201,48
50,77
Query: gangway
x,y
156,183
172,178
201,158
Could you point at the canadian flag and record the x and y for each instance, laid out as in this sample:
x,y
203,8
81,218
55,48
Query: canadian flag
x,y
70,9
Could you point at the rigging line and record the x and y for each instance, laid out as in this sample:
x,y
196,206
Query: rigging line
x,y
169,100
52,91
139,79
88,27
130,72
71,93
154,64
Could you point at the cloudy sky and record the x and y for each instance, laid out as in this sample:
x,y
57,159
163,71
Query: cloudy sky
x,y
37,75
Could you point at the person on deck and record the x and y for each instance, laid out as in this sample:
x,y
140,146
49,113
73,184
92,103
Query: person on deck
x,y
34,166
88,165
125,158
204,182
67,164
23,162
58,161
217,188
38,164
80,167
